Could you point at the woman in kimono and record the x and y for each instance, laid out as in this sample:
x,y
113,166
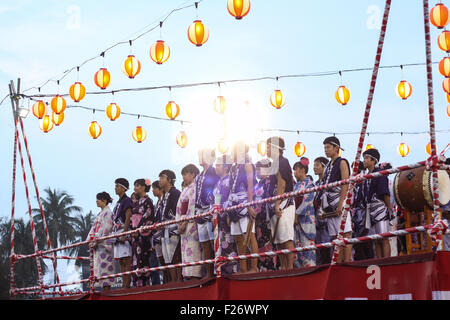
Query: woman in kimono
x,y
305,223
143,214
103,250
190,245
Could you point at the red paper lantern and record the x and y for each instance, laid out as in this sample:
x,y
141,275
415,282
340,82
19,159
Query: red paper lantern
x,y
77,92
159,52
439,16
102,78
342,95
238,8
139,134
277,99
131,66
95,130
198,33
39,109
404,89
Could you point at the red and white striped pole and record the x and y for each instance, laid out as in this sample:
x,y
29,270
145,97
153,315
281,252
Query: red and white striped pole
x,y
217,251
91,263
348,200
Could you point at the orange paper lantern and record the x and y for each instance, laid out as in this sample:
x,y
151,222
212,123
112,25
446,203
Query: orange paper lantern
x,y
446,85
131,66
46,124
277,99
404,89
58,104
223,146
172,110
342,95
403,149
159,52
238,8
102,78
444,67
112,111
139,134
57,118
182,139
95,130
369,146
299,149
444,41
39,109
439,16
220,105
77,92
448,110
261,148
198,33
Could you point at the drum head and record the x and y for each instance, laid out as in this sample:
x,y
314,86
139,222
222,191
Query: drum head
x,y
444,187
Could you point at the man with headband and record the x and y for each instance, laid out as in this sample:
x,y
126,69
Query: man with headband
x,y
374,197
122,215
332,199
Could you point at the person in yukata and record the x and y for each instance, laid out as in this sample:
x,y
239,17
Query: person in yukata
x,y
332,199
221,192
156,239
323,255
144,215
204,187
282,212
103,250
171,245
191,250
242,226
375,197
305,224
122,216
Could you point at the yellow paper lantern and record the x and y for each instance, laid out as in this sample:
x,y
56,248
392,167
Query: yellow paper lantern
x,y
139,134
261,148
46,124
95,130
369,146
223,146
448,110
39,109
404,89
172,110
342,95
58,104
198,33
403,149
340,152
447,95
112,111
131,66
238,8
439,16
77,92
102,78
57,118
299,149
277,99
159,52
220,105
182,139
444,41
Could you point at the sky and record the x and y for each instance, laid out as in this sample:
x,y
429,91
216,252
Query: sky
x,y
42,39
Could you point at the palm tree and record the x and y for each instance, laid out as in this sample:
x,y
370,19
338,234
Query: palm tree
x,y
25,271
83,225
57,207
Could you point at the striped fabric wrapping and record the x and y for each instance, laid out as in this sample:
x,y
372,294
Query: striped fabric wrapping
x,y
330,199
377,211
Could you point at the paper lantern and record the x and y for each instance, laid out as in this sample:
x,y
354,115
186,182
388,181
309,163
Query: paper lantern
x,y
369,146
159,52
58,104
428,148
112,111
342,95
39,109
299,149
182,139
447,95
444,67
46,124
404,89
261,148
172,110
77,92
277,99
220,105
439,16
340,152
223,146
102,78
131,66
95,130
139,134
198,33
403,149
238,8
446,85
448,110
444,41
57,118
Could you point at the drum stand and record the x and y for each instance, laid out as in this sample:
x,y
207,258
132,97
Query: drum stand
x,y
417,219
